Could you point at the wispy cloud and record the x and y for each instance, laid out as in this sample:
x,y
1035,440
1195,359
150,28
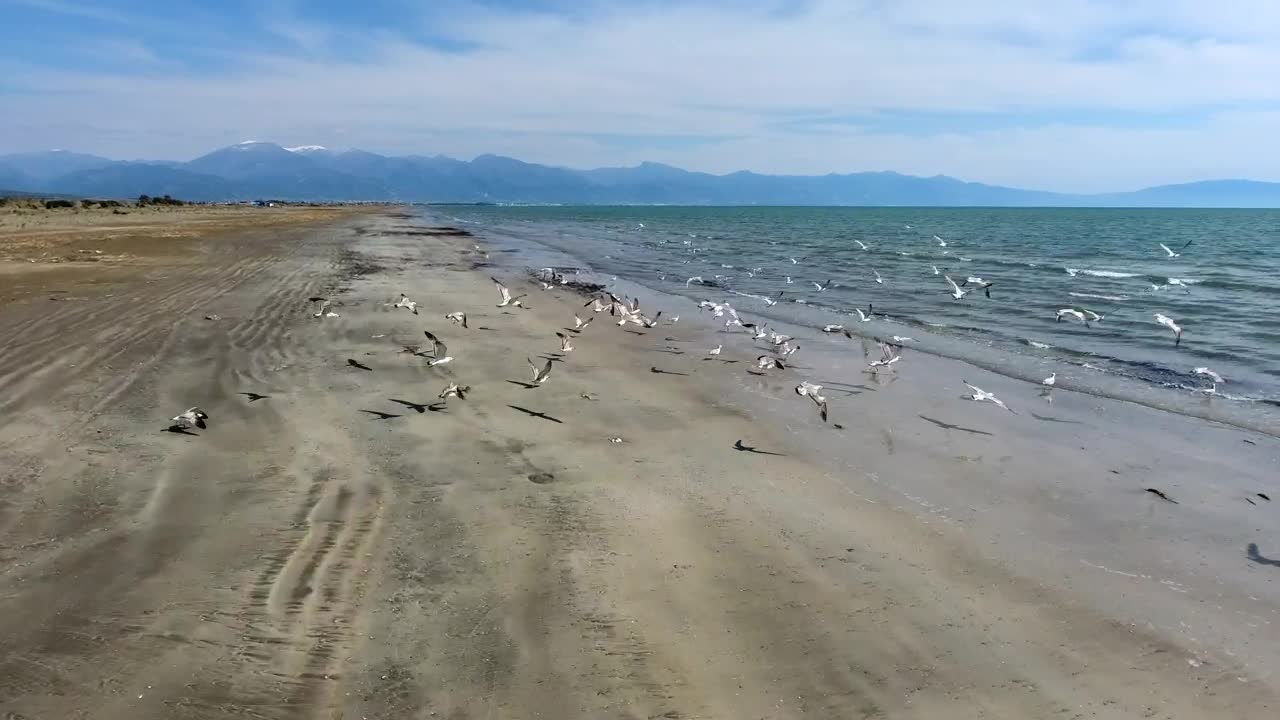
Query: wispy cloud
x,y
1082,95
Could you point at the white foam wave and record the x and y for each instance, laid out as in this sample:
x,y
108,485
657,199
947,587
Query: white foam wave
x,y
1119,298
1101,273
1184,281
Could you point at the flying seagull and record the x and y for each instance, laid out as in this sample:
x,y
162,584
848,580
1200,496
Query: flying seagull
x,y
861,315
193,417
1213,376
507,298
861,244
1168,322
956,292
690,280
980,395
935,270
579,323
539,376
1072,313
405,302
766,362
455,390
775,299
941,242
879,279
458,317
439,351
823,288
566,343
1171,254
810,390
983,284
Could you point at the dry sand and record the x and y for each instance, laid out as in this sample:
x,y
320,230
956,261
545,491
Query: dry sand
x,y
501,558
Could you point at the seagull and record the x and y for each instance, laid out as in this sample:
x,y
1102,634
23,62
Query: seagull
x,y
941,242
861,244
405,302
1215,377
771,302
455,390
439,351
832,328
1173,254
1095,317
324,310
810,390
935,270
787,350
878,278
458,317
765,362
507,299
690,280
650,323
777,339
980,395
716,350
566,343
986,286
822,288
788,279
539,376
1168,322
887,357
579,323
1072,313
596,306
1071,271
862,317
757,332
794,261
956,292
193,417
1050,381
1176,282
900,339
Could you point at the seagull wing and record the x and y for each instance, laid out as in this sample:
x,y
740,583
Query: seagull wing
x,y
502,290
1166,249
543,373
976,390
1184,247
952,283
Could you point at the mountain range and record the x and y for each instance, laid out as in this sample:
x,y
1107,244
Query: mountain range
x,y
256,170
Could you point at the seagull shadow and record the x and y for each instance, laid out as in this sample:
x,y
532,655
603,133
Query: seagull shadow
x,y
525,385
552,357
843,385
659,371
1046,418
535,413
1252,553
486,328
666,350
254,397
420,407
357,364
179,430
949,426
754,451
379,415
637,332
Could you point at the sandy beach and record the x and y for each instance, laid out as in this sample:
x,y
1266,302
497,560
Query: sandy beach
x,y
348,547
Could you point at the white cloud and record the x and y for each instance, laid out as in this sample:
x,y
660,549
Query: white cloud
x,y
543,87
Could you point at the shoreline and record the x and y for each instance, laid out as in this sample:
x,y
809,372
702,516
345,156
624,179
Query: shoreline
x,y
341,548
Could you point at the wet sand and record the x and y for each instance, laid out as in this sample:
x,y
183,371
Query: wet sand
x,y
343,549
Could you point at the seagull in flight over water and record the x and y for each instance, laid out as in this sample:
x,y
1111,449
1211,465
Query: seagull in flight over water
x,y
980,395
941,242
1073,313
1168,322
1171,254
956,292
823,288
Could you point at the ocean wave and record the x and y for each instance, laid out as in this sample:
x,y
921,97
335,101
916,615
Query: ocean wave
x,y
1100,273
1184,281
1119,298
1039,345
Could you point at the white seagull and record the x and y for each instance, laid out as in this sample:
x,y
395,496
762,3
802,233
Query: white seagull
x,y
1215,377
1050,381
406,303
539,375
324,310
983,284
935,270
823,288
194,417
878,278
1171,254
832,328
766,362
579,323
810,390
941,242
716,350
980,395
862,244
956,291
861,315
458,317
690,280
507,298
439,351
771,302
1072,313
566,343
1168,322
455,390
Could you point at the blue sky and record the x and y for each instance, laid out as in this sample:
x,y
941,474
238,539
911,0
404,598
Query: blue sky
x,y
1084,95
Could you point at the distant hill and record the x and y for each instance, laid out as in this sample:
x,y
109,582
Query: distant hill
x,y
251,170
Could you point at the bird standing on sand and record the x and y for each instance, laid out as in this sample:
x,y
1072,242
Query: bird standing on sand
x,y
458,317
980,395
324,310
716,350
193,417
539,375
1050,381
1213,376
1168,322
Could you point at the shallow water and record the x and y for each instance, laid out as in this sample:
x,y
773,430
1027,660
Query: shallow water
x,y
1039,259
